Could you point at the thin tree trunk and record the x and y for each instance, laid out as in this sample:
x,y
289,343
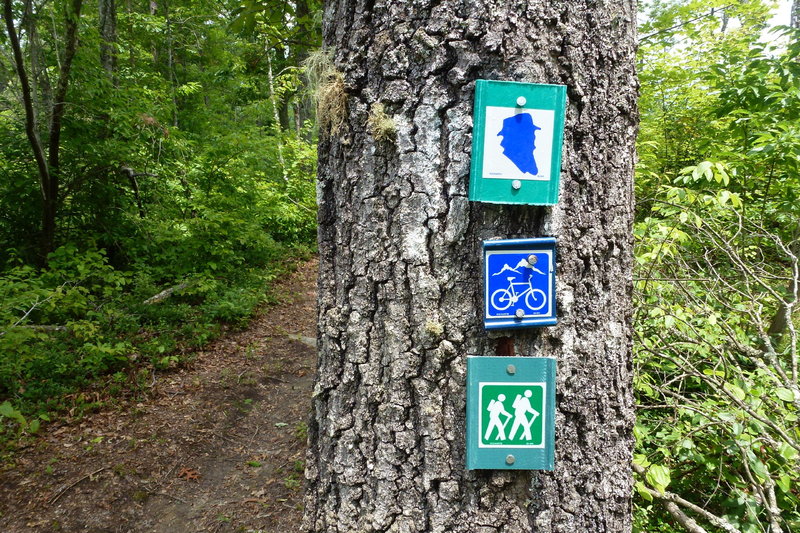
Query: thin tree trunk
x,y
783,315
41,92
45,178
400,290
283,114
303,108
795,20
276,115
153,10
72,18
108,36
173,79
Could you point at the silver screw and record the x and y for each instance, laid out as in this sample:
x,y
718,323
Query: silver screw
x,y
516,185
510,459
532,259
511,369
521,101
519,313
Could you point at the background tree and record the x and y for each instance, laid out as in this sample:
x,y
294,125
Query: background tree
x,y
400,276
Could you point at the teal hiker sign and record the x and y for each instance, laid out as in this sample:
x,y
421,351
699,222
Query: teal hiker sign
x,y
510,413
516,142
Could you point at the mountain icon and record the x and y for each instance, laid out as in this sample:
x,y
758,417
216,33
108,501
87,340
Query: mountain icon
x,y
523,263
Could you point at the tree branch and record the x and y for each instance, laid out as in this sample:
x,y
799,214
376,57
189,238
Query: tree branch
x,y
166,293
672,502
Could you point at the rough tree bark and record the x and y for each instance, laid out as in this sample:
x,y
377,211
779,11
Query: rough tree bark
x,y
795,16
107,10
400,293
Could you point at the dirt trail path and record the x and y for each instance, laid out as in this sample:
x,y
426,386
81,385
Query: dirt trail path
x,y
216,447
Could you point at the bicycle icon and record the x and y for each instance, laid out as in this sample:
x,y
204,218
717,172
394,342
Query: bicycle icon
x,y
502,299
519,283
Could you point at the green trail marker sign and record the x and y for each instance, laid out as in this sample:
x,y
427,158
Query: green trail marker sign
x,y
510,413
516,142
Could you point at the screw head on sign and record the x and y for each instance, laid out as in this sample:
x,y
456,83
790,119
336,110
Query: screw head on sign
x,y
511,369
516,185
519,313
510,459
521,101
532,259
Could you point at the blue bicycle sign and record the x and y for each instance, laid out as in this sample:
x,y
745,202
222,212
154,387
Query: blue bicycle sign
x,y
502,299
519,283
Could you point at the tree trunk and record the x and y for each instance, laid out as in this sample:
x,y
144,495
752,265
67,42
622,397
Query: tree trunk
x,y
153,11
173,78
302,105
41,91
50,206
108,36
783,315
400,285
795,20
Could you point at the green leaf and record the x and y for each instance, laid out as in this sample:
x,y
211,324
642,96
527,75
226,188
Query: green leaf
x,y
735,391
788,452
723,175
760,470
658,477
643,492
784,394
7,410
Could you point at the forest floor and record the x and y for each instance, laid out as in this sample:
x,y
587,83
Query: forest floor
x,y
217,445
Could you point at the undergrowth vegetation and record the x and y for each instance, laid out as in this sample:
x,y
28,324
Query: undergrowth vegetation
x,y
716,292
178,185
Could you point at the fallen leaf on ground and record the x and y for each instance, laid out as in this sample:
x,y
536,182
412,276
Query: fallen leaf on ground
x,y
189,473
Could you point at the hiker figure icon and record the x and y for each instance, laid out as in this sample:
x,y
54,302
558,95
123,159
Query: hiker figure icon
x,y
522,408
496,409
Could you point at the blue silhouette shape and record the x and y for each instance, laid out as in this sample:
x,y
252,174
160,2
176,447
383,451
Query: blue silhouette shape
x,y
519,141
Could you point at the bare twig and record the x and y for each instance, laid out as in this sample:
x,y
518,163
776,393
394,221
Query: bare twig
x,y
171,496
33,307
55,498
